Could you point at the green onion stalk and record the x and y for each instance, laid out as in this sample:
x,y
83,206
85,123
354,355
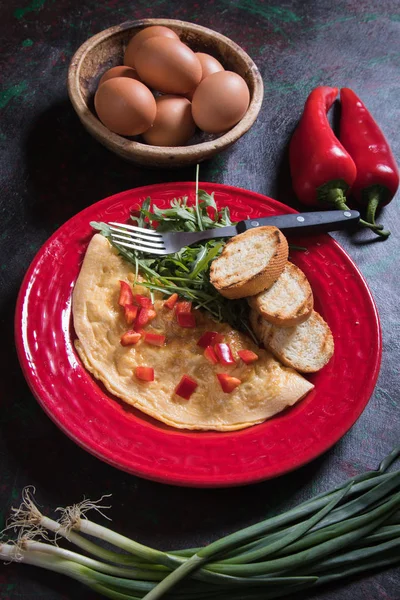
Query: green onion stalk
x,y
338,534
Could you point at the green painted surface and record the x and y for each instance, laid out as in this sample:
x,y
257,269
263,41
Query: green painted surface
x,y
35,5
13,91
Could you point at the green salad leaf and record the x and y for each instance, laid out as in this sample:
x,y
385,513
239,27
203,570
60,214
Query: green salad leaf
x,y
185,272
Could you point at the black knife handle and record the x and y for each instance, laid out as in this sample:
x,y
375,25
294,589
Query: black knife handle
x,y
301,223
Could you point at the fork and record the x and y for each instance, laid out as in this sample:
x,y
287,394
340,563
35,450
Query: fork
x,y
153,242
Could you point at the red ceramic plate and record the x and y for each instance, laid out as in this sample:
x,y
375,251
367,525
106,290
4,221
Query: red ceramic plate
x,y
130,440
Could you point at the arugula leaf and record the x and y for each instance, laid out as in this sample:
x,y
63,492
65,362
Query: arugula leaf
x,y
187,271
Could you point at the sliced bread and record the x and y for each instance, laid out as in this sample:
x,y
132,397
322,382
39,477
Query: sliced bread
x,y
288,302
250,262
306,347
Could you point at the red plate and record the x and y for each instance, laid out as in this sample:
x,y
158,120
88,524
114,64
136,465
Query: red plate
x,y
130,440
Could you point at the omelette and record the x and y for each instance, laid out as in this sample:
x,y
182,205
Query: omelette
x,y
267,387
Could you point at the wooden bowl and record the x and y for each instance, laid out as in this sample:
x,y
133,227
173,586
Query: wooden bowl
x,y
106,50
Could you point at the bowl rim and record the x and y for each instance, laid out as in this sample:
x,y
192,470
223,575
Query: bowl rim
x,y
147,150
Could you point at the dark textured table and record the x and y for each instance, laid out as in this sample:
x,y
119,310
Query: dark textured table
x,y
51,169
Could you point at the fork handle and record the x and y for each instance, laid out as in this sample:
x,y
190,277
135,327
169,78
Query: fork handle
x,y
311,222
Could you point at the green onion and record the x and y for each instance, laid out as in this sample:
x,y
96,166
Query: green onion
x,y
347,531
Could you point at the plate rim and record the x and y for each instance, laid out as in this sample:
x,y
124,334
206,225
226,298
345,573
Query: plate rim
x,y
200,481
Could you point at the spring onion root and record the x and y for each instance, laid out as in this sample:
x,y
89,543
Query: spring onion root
x,y
337,534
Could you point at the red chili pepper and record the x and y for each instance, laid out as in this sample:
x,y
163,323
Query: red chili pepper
x,y
170,303
125,294
377,172
186,319
183,307
227,382
224,353
130,313
210,337
129,338
143,301
210,355
248,356
155,339
186,387
322,170
145,373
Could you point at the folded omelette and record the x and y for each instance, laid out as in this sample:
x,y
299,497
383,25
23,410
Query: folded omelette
x,y
267,386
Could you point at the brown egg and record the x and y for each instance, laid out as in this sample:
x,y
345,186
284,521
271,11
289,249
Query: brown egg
x,y
173,125
220,101
142,36
209,64
120,71
125,106
168,65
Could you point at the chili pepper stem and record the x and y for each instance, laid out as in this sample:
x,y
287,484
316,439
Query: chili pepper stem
x,y
374,200
336,198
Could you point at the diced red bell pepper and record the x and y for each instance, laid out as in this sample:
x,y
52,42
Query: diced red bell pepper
x,y
183,307
130,337
143,301
131,312
248,356
172,300
227,382
186,387
125,294
210,355
210,337
144,373
151,313
142,319
186,319
155,339
224,353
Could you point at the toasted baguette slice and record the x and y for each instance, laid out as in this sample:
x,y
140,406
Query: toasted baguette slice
x,y
288,302
306,347
250,262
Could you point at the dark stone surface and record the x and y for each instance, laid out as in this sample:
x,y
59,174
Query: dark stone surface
x,y
51,168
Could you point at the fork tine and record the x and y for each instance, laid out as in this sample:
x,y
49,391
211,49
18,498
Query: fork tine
x,y
143,248
138,229
130,234
149,238
137,240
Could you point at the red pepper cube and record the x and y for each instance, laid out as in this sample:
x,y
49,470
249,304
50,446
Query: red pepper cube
x,y
155,339
210,337
248,356
142,319
186,387
143,301
224,354
151,313
183,307
227,382
172,300
125,294
144,373
210,355
130,337
131,312
186,319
